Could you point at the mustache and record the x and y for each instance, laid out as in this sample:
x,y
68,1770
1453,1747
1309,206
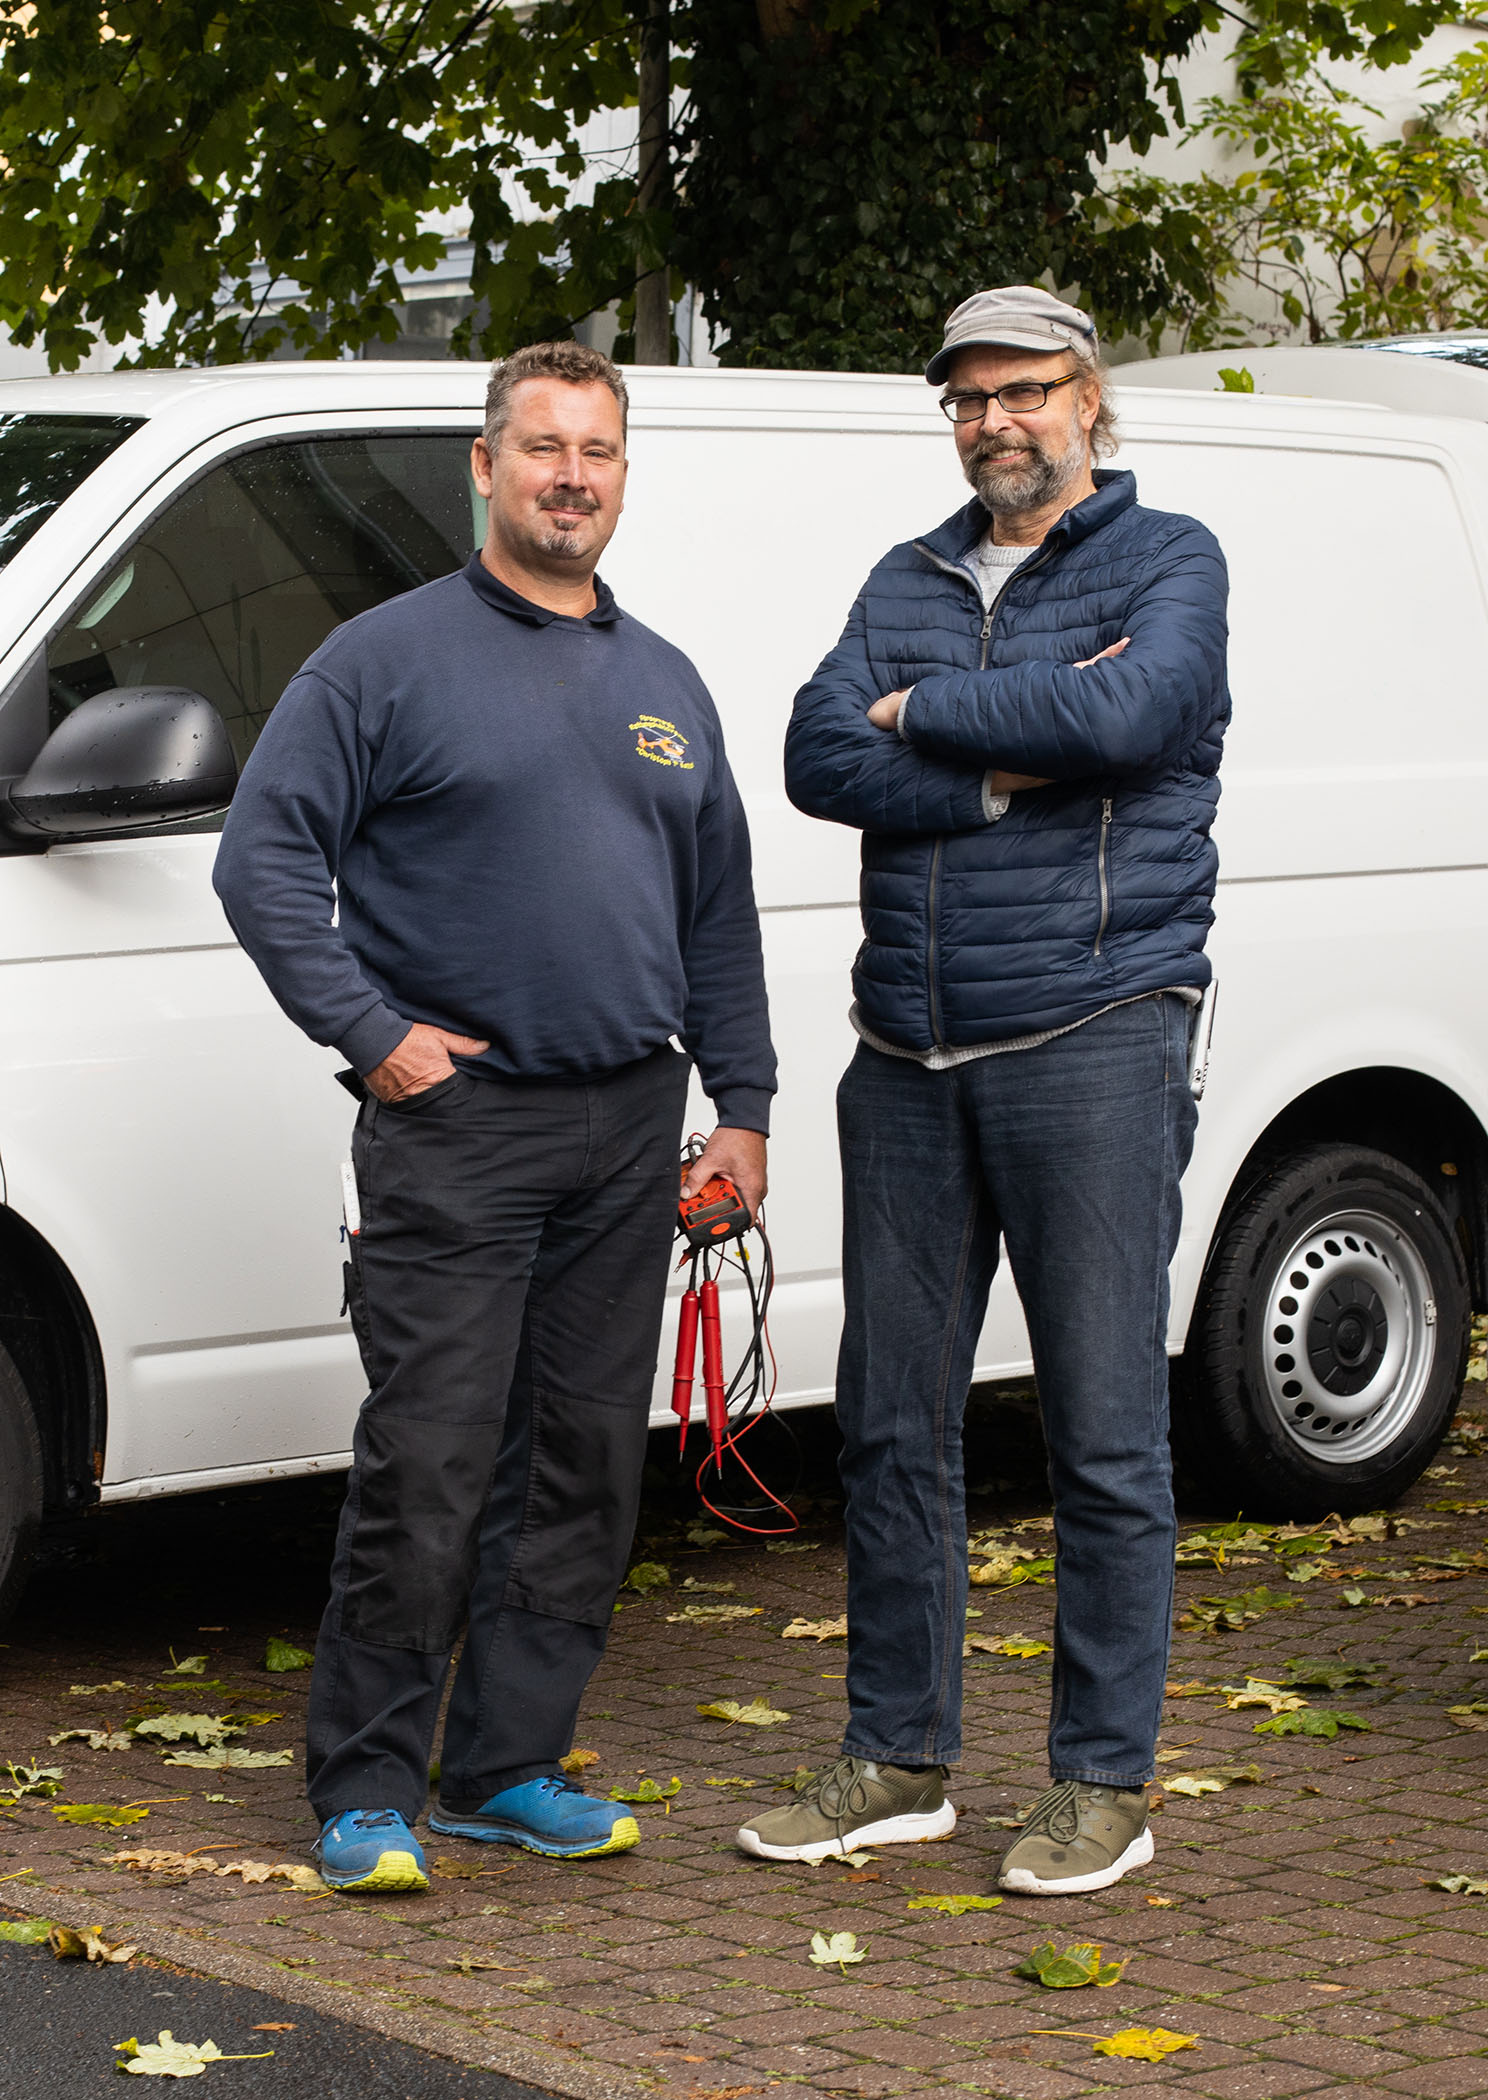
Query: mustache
x,y
987,451
572,499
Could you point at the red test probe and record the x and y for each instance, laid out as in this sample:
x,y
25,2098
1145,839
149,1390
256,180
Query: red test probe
x,y
713,1223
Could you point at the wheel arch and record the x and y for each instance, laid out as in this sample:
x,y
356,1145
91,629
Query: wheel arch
x,y
46,1328
1406,1113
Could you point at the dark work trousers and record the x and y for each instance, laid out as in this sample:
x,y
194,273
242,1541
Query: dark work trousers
x,y
1071,1151
507,1288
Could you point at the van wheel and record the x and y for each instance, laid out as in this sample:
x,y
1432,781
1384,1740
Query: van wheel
x,y
1330,1339
20,1485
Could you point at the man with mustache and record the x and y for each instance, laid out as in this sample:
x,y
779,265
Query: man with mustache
x,y
1024,718
455,855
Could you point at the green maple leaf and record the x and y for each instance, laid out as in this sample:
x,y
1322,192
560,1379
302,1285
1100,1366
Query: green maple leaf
x,y
1069,1970
99,1812
25,1932
283,1655
954,1906
647,1791
230,1757
1312,1720
188,1666
648,1575
1328,1676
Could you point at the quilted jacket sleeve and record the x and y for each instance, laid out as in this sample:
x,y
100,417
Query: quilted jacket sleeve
x,y
1134,713
838,765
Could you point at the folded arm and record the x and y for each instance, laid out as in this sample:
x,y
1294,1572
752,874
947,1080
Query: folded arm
x,y
840,766
1120,713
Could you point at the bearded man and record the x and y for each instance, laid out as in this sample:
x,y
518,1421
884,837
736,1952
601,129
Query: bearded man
x,y
1024,718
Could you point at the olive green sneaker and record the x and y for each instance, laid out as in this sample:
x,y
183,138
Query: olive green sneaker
x,y
1077,1837
854,1802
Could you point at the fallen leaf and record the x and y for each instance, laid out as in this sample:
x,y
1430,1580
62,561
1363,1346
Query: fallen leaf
x,y
95,1738
206,1729
1313,1720
25,1932
1257,1692
25,1780
647,1575
1148,2045
1195,1689
953,1906
273,2027
714,1589
1007,1566
189,1666
467,1964
703,1614
1230,1614
816,1630
1213,1779
90,1691
702,1534
837,1952
257,1720
1460,1885
87,1945
295,1873
230,1757
281,1655
647,1791
1410,1599
578,1761
98,1812
754,1713
1157,1902
731,1782
1329,1676
167,2058
1465,1508
1070,1969
1352,1598
792,1545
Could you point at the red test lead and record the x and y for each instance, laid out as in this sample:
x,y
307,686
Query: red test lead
x,y
682,1370
713,1393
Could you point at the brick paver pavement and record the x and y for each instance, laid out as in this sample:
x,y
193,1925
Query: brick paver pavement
x,y
1288,1924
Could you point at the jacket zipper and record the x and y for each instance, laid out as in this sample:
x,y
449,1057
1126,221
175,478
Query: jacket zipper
x,y
1102,876
932,897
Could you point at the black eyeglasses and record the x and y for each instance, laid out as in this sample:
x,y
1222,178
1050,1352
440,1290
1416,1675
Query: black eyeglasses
x,y
1021,398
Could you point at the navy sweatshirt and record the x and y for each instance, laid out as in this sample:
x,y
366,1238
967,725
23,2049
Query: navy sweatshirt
x,y
531,831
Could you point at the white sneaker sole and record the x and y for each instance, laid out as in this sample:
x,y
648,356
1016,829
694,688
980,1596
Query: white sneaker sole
x,y
1022,1882
893,1830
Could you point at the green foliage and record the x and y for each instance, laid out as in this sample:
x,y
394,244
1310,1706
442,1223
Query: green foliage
x,y
1335,234
836,186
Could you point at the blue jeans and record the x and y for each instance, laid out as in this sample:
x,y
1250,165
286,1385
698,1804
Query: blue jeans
x,y
1072,1153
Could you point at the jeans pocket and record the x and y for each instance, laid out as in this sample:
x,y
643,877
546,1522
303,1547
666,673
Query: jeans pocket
x,y
456,1088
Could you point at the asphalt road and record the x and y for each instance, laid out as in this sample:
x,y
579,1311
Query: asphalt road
x,y
61,2019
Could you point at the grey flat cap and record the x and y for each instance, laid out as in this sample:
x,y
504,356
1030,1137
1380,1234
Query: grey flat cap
x,y
1014,317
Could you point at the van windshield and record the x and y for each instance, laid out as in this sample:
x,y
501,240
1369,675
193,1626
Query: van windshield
x,y
42,460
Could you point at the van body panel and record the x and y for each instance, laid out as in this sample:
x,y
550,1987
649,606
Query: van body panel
x,y
176,1140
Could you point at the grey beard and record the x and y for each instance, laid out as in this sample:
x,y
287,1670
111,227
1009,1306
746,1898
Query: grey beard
x,y
562,542
1012,491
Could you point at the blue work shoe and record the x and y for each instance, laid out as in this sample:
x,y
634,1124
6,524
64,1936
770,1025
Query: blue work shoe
x,y
371,1848
551,1816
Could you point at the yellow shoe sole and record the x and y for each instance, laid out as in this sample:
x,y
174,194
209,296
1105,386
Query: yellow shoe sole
x,y
626,1832
395,1872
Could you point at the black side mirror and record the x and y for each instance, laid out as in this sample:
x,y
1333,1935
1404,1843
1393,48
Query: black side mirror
x,y
131,759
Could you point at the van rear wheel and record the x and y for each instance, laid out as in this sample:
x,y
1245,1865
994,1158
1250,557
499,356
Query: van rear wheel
x,y
20,1485
1330,1339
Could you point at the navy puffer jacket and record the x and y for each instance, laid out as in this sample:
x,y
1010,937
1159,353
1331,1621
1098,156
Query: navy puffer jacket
x,y
1097,887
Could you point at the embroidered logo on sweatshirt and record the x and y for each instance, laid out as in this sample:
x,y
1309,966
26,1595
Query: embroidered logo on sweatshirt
x,y
661,742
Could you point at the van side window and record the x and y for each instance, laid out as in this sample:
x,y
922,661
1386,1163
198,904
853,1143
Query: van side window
x,y
246,573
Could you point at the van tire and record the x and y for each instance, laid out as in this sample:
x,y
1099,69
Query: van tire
x,y
20,1485
1329,1343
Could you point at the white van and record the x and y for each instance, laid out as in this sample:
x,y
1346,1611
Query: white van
x,y
170,1267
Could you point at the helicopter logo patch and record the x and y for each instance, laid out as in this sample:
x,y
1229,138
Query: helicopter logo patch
x,y
661,742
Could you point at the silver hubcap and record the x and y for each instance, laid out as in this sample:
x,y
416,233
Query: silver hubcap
x,y
1350,1337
